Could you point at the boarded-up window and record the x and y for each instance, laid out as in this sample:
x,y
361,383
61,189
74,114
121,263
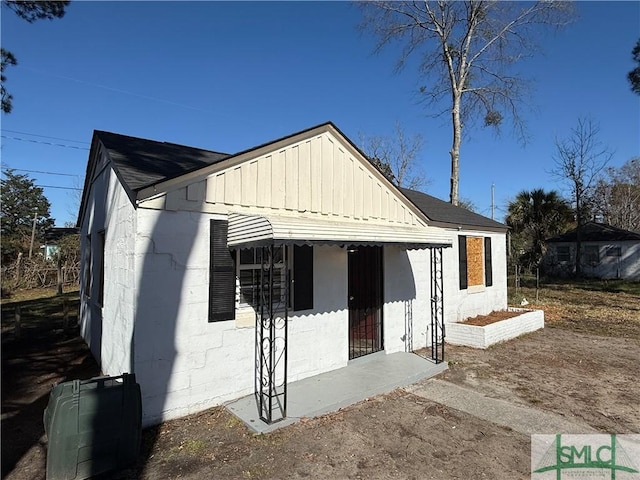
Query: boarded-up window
x,y
474,261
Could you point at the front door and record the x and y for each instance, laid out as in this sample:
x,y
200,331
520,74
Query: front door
x,y
365,301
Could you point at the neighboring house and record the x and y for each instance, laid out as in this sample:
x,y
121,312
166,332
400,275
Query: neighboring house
x,y
213,276
606,252
52,237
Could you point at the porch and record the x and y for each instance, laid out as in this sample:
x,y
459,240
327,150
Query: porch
x,y
362,378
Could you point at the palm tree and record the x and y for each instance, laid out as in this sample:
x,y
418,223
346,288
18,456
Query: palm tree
x,y
534,216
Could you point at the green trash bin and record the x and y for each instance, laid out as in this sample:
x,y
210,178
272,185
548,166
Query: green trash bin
x,y
92,426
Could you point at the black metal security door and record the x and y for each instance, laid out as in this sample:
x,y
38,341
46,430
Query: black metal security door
x,y
365,301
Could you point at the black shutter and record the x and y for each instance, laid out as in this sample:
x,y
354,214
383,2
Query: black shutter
x,y
488,272
302,277
462,260
222,275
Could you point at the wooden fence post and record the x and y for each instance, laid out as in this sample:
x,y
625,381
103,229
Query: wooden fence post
x,y
60,279
65,314
18,321
16,277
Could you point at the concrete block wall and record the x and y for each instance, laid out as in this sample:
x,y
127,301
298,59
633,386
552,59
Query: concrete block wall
x,y
119,297
407,308
107,327
483,337
185,364
319,338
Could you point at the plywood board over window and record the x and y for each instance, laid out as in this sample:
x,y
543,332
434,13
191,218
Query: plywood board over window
x,y
475,261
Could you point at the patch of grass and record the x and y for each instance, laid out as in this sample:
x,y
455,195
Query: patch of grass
x,y
40,311
605,308
233,422
24,295
193,447
257,471
456,364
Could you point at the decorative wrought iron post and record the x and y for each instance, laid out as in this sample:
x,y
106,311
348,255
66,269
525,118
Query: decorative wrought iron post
x,y
437,305
271,338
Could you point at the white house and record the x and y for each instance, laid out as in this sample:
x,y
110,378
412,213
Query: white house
x,y
606,252
212,276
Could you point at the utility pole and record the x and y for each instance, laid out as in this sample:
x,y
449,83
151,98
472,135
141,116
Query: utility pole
x,y
493,203
33,231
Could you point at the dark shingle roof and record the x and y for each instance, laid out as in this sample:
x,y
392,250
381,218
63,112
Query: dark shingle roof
x,y
442,213
141,163
597,232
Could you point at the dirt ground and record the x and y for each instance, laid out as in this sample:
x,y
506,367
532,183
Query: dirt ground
x,y
583,365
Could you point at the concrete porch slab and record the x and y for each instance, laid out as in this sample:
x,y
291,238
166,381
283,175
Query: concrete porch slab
x,y
328,392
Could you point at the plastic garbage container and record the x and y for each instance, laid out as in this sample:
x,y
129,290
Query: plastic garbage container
x,y
93,426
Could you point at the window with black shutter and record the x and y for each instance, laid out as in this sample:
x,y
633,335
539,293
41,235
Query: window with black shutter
x,y
222,275
475,267
301,283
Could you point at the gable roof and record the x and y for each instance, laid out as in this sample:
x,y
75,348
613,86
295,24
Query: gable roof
x,y
445,214
141,162
597,232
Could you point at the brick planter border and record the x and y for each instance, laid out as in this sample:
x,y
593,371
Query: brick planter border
x,y
483,337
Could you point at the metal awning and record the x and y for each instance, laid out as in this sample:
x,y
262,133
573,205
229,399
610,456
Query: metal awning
x,y
255,230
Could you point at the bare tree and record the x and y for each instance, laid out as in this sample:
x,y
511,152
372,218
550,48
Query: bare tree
x,y
397,156
618,196
579,162
465,50
468,204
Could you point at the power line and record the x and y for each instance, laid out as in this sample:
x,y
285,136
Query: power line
x,y
45,136
117,90
40,171
62,188
44,143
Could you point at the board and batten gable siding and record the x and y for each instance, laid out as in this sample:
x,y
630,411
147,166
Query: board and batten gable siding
x,y
463,300
110,217
317,177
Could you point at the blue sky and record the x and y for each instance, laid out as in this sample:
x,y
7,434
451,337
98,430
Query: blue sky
x,y
231,75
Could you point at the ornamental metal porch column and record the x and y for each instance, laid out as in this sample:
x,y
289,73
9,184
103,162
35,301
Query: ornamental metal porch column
x,y
437,305
271,339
